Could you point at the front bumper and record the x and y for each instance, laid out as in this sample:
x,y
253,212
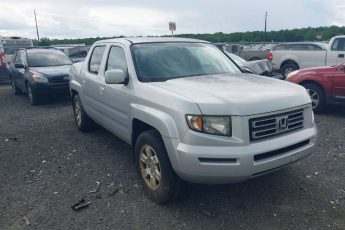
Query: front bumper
x,y
228,164
50,88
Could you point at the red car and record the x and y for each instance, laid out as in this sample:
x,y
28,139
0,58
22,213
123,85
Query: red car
x,y
325,85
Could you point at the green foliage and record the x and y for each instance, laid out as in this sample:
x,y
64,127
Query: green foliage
x,y
294,35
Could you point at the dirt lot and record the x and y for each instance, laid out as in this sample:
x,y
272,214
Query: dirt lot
x,y
46,166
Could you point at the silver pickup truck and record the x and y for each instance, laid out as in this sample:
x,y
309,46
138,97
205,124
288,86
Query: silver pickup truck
x,y
189,113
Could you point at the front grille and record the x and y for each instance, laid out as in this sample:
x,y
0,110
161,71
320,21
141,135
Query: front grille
x,y
57,79
269,126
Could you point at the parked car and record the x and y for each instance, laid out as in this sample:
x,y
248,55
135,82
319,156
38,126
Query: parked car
x,y
293,56
325,85
12,44
4,73
190,113
247,53
75,53
260,67
40,72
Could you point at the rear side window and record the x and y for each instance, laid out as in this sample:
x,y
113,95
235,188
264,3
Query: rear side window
x,y
281,47
96,59
117,59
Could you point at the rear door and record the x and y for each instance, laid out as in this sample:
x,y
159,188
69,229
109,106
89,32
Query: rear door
x,y
91,82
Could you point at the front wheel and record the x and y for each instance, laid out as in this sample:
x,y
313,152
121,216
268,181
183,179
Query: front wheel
x,y
33,98
82,120
161,182
15,89
316,95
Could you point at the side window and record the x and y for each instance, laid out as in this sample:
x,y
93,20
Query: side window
x,y
116,59
338,44
15,58
96,59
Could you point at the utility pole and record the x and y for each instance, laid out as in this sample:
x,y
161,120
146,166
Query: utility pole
x,y
38,36
266,27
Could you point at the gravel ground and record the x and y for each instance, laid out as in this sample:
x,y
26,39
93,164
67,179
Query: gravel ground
x,y
46,166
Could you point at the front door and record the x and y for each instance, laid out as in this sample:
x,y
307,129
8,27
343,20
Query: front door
x,y
338,84
116,97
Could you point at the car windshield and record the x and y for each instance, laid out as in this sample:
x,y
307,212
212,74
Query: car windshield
x,y
165,61
42,59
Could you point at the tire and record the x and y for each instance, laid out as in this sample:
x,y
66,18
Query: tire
x,y
33,98
82,121
317,96
15,89
151,157
288,68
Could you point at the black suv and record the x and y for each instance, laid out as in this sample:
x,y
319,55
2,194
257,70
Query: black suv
x,y
38,72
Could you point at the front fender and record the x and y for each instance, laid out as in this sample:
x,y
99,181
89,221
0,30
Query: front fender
x,y
158,119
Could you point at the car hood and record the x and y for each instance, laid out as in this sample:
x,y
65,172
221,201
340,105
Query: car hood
x,y
321,69
238,94
52,71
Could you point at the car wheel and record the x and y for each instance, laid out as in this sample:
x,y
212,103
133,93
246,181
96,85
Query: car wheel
x,y
316,95
288,68
82,120
160,181
15,89
33,98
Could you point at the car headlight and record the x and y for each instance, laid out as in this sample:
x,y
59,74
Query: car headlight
x,y
216,125
39,78
292,74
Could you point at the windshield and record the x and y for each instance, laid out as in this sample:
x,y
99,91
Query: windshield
x,y
42,59
165,61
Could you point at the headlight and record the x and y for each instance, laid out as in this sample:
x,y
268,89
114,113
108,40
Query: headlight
x,y
291,74
217,125
39,78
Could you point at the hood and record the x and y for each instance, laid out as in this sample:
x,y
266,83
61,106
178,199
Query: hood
x,y
260,67
238,94
52,71
322,69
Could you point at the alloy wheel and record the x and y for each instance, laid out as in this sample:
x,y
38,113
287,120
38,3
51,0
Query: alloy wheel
x,y
77,113
315,99
150,167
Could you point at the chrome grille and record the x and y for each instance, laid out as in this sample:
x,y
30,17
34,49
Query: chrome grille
x,y
62,78
268,126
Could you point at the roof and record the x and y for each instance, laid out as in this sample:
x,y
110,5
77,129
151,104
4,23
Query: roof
x,y
137,40
41,50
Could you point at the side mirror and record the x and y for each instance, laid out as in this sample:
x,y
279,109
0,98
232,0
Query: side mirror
x,y
115,76
19,66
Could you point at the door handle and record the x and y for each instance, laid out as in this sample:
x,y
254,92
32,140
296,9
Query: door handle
x,y
83,82
340,55
101,90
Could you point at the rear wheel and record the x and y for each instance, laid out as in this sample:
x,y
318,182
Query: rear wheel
x,y
288,68
82,120
316,95
15,89
161,182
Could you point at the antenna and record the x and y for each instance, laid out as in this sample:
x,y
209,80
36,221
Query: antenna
x,y
38,36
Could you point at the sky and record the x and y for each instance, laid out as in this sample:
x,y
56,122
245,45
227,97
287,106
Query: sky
x,y
105,18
